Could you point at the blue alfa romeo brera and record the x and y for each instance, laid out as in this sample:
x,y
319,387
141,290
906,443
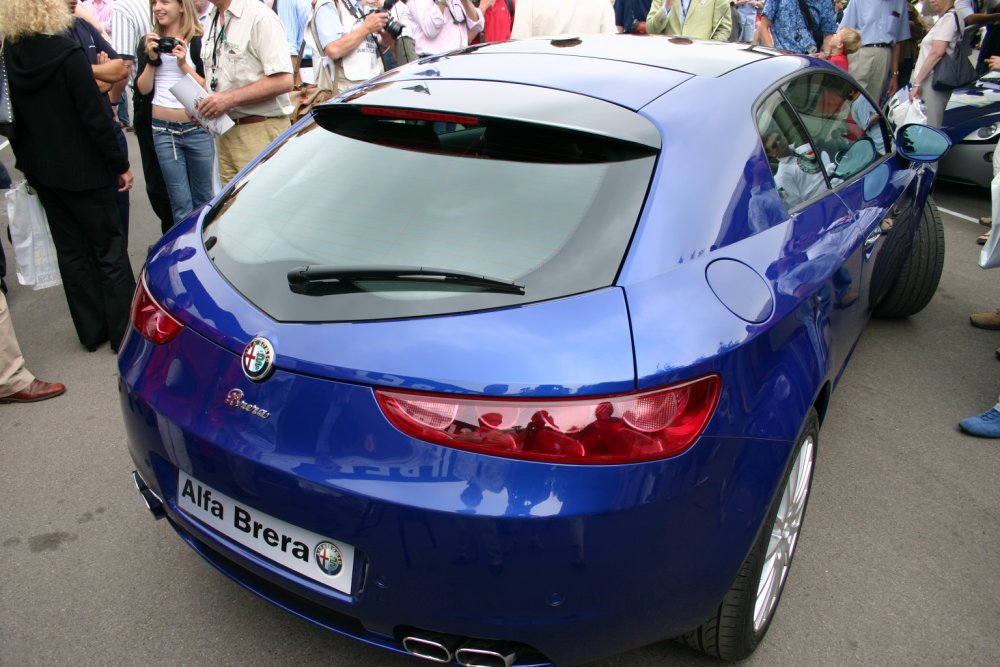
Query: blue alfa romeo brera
x,y
519,355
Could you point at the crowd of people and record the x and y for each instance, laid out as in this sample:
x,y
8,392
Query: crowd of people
x,y
72,64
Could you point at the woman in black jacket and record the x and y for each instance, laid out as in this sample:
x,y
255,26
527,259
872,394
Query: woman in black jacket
x,y
64,142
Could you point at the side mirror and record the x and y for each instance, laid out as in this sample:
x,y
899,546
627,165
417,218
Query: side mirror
x,y
852,161
920,143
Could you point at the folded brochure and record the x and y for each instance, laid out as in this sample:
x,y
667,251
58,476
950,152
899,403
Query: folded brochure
x,y
188,92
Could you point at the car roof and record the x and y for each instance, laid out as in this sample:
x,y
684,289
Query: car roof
x,y
681,54
627,70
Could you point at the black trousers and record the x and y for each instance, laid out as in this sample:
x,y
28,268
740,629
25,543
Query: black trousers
x,y
156,187
93,261
121,198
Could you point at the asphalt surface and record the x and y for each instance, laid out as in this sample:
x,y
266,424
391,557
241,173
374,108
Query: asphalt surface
x,y
897,563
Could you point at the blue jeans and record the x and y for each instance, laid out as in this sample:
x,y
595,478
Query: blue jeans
x,y
748,28
186,153
123,110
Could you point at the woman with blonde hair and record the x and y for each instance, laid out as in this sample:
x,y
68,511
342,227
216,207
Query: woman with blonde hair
x,y
184,149
65,144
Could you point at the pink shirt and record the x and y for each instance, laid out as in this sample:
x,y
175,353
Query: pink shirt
x,y
436,31
102,10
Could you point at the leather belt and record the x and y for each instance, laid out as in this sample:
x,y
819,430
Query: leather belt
x,y
880,45
247,120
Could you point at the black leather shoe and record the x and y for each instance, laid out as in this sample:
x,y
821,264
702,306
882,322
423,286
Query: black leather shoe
x,y
38,390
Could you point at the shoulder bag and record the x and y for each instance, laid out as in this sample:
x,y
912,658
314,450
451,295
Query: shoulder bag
x,y
310,96
956,70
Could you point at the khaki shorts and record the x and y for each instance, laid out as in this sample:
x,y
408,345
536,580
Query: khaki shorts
x,y
242,143
870,66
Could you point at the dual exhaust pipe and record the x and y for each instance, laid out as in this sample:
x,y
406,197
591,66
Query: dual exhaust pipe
x,y
152,501
467,652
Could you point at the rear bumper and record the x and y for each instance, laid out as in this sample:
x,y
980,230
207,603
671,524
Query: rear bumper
x,y
578,562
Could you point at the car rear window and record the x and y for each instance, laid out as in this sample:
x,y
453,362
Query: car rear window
x,y
371,195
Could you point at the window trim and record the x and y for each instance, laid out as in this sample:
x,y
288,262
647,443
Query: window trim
x,y
779,87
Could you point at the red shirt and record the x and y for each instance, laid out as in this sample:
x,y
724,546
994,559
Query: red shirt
x,y
499,21
840,61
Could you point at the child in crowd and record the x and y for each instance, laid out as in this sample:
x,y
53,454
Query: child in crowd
x,y
845,42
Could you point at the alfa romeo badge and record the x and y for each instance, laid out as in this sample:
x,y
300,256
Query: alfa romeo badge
x,y
328,558
258,359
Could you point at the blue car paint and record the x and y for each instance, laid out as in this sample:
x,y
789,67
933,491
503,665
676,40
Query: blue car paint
x,y
585,342
676,529
407,506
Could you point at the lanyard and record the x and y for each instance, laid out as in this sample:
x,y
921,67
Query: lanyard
x,y
685,6
215,35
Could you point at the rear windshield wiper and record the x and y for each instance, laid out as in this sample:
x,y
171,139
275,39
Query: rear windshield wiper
x,y
335,279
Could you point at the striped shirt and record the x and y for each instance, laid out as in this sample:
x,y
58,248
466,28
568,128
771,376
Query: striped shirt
x,y
130,20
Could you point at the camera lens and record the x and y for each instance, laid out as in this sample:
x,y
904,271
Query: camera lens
x,y
166,44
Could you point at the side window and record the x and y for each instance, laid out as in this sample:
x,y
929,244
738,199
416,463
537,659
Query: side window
x,y
792,159
846,127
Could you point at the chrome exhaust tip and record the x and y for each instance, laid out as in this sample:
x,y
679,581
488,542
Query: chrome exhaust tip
x,y
152,501
485,653
432,646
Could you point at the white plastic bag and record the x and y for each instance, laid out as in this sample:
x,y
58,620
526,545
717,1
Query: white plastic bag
x,y
34,251
906,112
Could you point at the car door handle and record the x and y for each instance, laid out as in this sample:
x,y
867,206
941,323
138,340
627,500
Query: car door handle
x,y
873,238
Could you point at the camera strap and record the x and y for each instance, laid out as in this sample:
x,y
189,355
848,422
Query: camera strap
x,y
359,16
352,8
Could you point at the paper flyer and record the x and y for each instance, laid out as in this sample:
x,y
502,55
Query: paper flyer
x,y
189,93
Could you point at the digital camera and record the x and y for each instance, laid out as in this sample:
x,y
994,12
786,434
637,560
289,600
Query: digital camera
x,y
166,44
393,27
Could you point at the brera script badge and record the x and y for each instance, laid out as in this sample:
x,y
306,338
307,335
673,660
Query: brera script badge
x,y
258,359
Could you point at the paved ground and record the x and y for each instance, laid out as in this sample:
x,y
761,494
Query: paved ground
x,y
897,563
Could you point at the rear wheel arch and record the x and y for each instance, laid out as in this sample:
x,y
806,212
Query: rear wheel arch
x,y
747,609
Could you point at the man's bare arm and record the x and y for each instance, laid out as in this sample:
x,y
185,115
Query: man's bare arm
x,y
266,88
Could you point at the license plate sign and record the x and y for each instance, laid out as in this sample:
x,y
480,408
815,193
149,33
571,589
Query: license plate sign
x,y
314,556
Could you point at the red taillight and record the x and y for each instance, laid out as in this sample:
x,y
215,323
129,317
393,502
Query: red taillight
x,y
413,114
610,429
149,318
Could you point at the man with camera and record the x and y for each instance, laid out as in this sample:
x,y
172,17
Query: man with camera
x,y
347,31
249,77
443,25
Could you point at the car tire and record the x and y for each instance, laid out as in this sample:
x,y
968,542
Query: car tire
x,y
921,272
745,614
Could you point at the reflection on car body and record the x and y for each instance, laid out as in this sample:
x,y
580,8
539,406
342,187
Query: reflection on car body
x,y
543,369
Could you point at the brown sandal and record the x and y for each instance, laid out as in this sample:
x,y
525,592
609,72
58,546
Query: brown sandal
x,y
986,221
984,238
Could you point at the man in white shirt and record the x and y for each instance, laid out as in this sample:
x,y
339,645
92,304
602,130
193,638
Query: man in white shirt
x,y
249,77
440,26
347,32
544,18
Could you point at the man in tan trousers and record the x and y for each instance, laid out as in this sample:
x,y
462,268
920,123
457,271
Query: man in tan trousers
x,y
17,385
249,74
